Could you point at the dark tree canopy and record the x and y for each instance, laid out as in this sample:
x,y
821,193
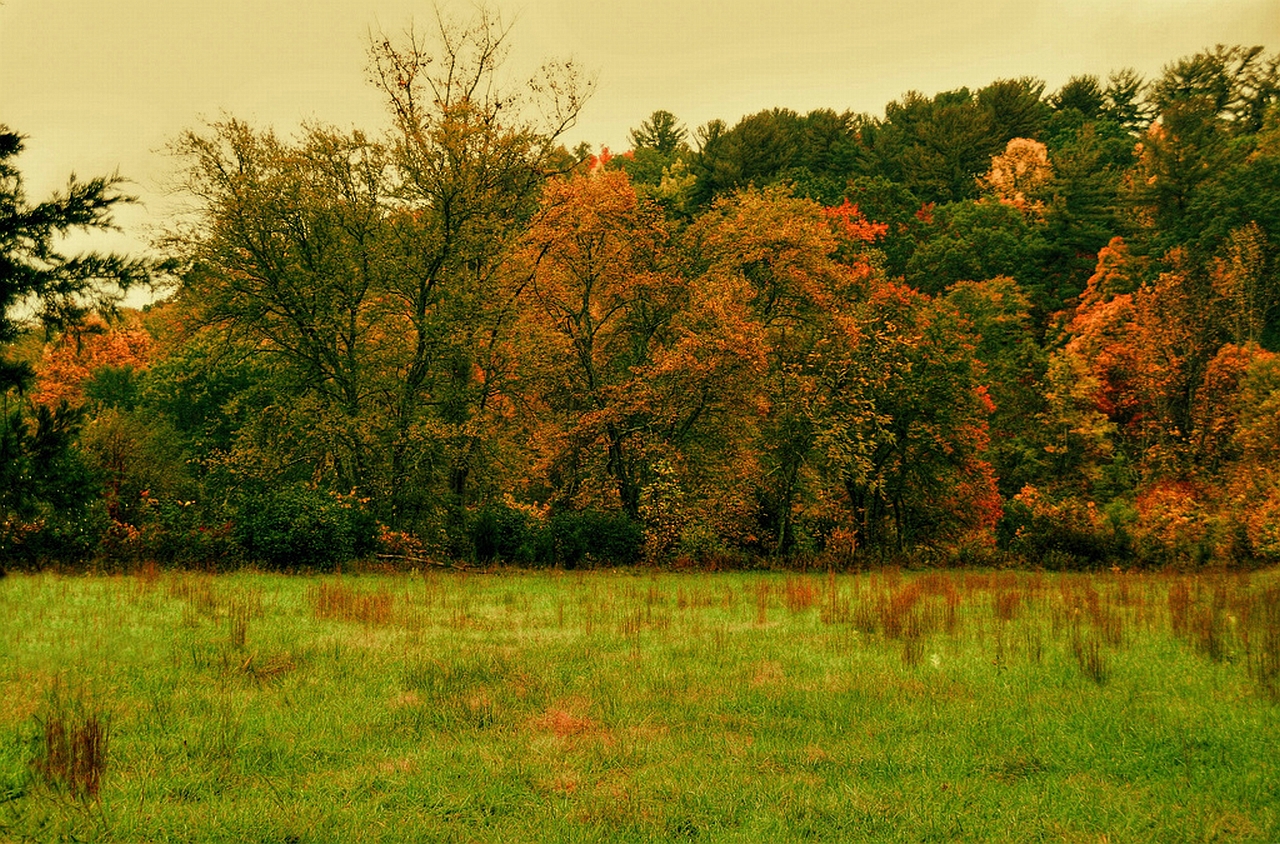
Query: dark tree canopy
x,y
661,132
35,277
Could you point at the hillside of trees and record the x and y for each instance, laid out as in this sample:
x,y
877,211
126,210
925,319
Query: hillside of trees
x,y
993,325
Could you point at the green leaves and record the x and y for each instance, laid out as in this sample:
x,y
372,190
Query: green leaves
x,y
59,289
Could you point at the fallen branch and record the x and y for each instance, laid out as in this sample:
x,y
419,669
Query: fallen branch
x,y
426,561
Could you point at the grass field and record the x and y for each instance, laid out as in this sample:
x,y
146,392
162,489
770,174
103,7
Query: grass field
x,y
631,706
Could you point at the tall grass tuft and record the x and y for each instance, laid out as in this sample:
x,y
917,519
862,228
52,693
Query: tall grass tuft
x,y
1090,656
762,603
1264,641
836,608
896,612
1180,606
238,619
1007,602
342,602
912,641
72,750
1209,632
800,594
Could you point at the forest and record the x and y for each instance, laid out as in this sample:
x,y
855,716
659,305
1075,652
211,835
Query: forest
x,y
1001,325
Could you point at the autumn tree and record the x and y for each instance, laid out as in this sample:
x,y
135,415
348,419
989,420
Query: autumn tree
x,y
637,372
603,289
372,272
286,259
1020,174
47,501
872,408
910,438
470,159
93,361
1254,485
778,252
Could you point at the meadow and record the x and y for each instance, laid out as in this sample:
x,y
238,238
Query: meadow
x,y
636,705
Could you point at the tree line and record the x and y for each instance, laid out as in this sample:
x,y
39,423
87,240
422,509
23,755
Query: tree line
x,y
988,325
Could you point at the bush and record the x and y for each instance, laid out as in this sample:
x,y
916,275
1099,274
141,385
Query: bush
x,y
297,526
502,532
50,536
51,507
1263,527
1172,526
1058,533
596,536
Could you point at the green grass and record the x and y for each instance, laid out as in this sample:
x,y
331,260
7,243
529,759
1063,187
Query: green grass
x,y
631,706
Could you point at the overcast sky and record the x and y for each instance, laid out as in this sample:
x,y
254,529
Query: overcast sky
x,y
102,85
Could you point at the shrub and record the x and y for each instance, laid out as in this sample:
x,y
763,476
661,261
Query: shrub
x,y
1263,527
501,532
595,535
1173,526
52,536
1063,533
51,509
297,526
699,543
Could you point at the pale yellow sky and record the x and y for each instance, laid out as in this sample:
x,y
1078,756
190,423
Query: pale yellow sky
x,y
103,85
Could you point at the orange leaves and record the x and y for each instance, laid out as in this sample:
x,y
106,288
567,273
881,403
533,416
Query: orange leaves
x,y
593,247
1149,348
1118,272
1217,402
1102,337
71,362
1257,431
599,290
852,225
1172,522
984,398
782,246
1239,277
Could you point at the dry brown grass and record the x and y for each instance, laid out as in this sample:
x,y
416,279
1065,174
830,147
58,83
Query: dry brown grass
x,y
1263,642
1006,603
72,752
339,601
762,595
1090,656
799,594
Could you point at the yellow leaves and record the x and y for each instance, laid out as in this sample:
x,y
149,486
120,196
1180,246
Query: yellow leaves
x,y
1019,173
1257,432
783,246
1239,277
1263,526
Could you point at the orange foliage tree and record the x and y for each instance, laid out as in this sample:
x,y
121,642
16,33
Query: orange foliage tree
x,y
90,351
632,369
